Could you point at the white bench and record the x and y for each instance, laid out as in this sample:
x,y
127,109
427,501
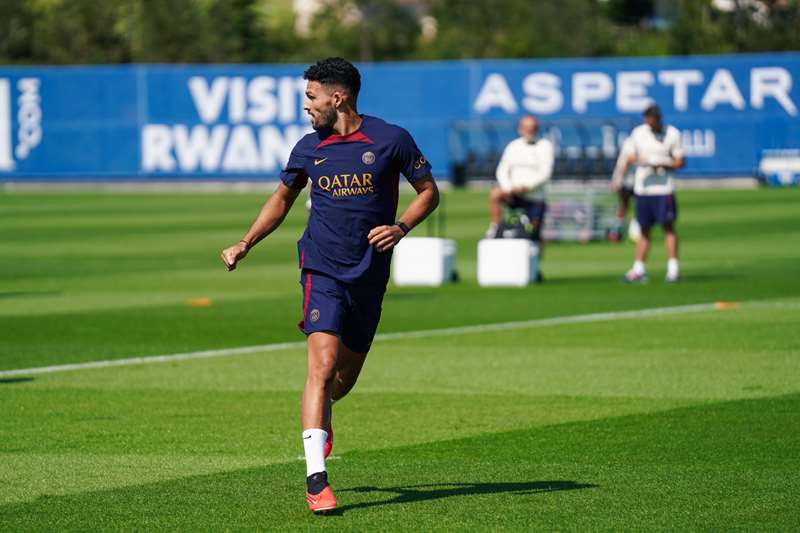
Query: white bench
x,y
423,261
507,262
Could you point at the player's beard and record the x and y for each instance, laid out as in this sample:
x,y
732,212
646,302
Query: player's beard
x,y
325,120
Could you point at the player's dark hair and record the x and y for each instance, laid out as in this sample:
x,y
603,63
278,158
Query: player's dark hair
x,y
336,71
652,111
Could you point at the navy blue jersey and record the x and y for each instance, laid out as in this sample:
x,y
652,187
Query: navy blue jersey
x,y
354,187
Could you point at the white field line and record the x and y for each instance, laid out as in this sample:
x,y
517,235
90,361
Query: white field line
x,y
460,330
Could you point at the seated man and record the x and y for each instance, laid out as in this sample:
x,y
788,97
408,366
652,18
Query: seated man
x,y
524,169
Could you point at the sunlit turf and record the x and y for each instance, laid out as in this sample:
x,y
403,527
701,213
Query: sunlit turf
x,y
680,422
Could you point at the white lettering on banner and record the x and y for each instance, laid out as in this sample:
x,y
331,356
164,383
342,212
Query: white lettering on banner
x,y
590,87
275,148
699,143
237,101
632,91
680,80
288,91
29,117
242,152
495,93
208,100
255,101
543,93
771,81
6,160
264,104
198,147
157,148
220,148
722,90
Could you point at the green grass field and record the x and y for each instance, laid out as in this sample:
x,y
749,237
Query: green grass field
x,y
684,421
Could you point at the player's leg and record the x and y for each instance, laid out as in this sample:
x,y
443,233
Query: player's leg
x,y
496,200
323,348
645,217
348,368
323,309
615,235
671,243
536,211
358,329
669,217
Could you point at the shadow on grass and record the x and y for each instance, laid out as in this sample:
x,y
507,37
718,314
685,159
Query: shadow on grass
x,y
9,381
29,294
435,491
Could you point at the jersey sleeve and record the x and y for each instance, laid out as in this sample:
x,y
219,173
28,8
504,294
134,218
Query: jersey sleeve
x,y
409,158
676,148
294,174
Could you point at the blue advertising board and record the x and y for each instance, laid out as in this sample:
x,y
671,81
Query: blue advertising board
x,y
155,122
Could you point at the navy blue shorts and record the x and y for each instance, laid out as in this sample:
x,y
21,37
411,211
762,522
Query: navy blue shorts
x,y
534,209
349,311
652,210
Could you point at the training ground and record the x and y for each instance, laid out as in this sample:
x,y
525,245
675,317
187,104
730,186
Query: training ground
x,y
582,404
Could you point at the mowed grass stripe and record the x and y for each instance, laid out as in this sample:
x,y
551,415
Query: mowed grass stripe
x,y
480,328
713,467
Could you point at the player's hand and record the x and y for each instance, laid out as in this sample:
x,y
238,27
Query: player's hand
x,y
383,238
616,185
230,256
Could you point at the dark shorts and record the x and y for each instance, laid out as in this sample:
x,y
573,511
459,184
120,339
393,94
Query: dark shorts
x,y
349,311
534,209
656,210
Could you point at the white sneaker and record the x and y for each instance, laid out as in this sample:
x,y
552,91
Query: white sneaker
x,y
631,276
672,277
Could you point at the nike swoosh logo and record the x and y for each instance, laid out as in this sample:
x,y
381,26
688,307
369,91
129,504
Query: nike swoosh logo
x,y
306,438
320,161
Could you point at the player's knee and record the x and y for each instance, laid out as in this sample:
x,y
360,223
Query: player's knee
x,y
495,195
323,366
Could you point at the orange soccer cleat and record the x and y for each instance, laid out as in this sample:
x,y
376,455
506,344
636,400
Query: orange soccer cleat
x,y
322,503
329,442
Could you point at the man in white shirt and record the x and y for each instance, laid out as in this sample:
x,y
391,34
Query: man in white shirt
x,y
657,154
525,168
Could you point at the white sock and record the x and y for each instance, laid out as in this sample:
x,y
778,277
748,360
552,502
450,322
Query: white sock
x,y
672,267
314,446
638,268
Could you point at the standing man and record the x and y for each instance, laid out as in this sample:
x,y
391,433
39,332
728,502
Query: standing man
x,y
353,162
622,181
657,154
525,167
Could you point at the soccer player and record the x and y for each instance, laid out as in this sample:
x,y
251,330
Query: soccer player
x,y
353,163
622,183
657,153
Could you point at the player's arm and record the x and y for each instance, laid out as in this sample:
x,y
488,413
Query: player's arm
x,y
620,169
677,163
626,158
503,172
676,153
384,238
272,214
